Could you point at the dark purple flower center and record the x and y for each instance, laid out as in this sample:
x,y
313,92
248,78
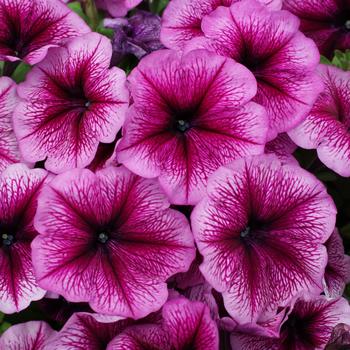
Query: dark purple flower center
x,y
295,331
103,237
182,120
7,239
253,232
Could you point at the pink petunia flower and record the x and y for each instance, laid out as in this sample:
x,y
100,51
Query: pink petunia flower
x,y
182,19
191,114
109,239
28,28
9,152
326,22
33,335
327,127
282,59
19,188
337,273
309,326
117,8
185,325
70,102
260,229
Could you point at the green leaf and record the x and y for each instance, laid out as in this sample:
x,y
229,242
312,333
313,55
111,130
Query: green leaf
x,y
105,31
325,60
157,6
20,73
342,59
4,326
76,7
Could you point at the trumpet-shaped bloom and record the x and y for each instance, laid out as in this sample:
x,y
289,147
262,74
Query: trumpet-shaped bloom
x,y
327,127
83,332
337,272
185,325
326,22
282,59
117,8
340,337
191,114
8,144
32,335
182,19
260,229
69,103
309,326
109,239
19,188
28,28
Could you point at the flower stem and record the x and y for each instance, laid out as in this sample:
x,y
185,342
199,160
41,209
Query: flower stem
x,y
10,67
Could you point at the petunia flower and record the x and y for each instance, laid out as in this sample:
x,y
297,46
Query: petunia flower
x,y
19,188
28,28
185,325
182,19
260,229
282,59
327,127
32,335
117,8
283,147
9,152
309,326
337,273
191,114
109,239
137,35
326,22
70,102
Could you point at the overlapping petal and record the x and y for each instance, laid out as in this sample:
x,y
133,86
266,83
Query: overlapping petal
x,y
269,43
309,326
83,332
19,189
69,103
182,19
326,22
9,152
327,127
117,8
283,147
260,230
32,335
29,27
337,272
191,114
120,241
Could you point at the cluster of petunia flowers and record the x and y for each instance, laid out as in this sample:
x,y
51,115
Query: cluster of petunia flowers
x,y
165,210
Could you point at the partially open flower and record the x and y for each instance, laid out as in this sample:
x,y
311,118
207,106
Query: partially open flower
x,y
261,229
326,22
9,152
19,189
182,19
70,102
281,58
33,335
327,127
309,326
109,239
29,27
191,114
